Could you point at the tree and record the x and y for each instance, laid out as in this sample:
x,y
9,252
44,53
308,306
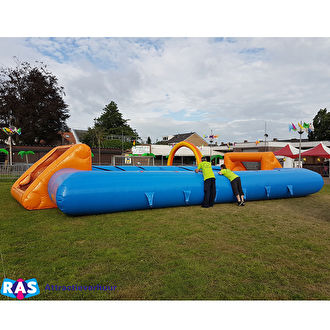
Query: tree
x,y
115,130
31,99
321,123
148,140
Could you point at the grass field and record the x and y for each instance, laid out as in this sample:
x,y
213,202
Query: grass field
x,y
276,249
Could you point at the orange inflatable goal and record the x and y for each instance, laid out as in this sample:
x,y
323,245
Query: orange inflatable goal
x,y
234,160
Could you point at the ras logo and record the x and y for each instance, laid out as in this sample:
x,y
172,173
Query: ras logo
x,y
20,289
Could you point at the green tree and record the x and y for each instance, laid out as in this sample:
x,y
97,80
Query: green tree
x,y
31,99
148,140
321,123
116,132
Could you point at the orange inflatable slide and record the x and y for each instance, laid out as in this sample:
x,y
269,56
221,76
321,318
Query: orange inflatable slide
x,y
31,189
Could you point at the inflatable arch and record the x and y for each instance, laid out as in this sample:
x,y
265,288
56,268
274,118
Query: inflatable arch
x,y
194,149
268,161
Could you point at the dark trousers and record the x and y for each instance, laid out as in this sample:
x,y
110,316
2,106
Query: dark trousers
x,y
209,192
237,186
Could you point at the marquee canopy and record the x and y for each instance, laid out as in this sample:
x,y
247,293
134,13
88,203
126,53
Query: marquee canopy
x,y
288,151
318,151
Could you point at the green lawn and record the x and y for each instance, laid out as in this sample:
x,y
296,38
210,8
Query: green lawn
x,y
276,249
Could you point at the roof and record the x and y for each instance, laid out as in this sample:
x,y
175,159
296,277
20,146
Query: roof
x,y
287,151
179,137
320,151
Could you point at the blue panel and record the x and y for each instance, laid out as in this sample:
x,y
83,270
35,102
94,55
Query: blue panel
x,y
103,191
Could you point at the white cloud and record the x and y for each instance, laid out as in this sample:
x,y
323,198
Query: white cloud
x,y
176,85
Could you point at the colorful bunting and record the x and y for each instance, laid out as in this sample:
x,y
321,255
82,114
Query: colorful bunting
x,y
211,137
303,127
11,130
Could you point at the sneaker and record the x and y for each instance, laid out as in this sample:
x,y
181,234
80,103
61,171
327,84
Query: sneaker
x,y
242,203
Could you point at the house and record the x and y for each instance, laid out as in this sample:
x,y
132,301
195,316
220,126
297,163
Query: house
x,y
68,138
191,137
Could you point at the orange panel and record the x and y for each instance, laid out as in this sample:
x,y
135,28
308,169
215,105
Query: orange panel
x,y
31,189
268,161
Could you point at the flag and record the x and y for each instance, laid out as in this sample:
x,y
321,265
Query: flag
x,y
300,126
134,143
294,127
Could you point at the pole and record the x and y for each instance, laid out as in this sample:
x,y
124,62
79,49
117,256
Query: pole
x,y
265,137
300,132
99,140
122,141
211,142
10,151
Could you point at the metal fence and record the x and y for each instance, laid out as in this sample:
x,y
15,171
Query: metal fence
x,y
134,161
12,171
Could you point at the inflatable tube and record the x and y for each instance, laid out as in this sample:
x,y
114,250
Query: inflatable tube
x,y
100,191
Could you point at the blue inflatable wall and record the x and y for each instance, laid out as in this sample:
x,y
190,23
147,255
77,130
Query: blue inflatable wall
x,y
112,189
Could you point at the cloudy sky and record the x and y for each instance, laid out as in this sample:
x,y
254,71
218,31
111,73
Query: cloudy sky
x,y
165,86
